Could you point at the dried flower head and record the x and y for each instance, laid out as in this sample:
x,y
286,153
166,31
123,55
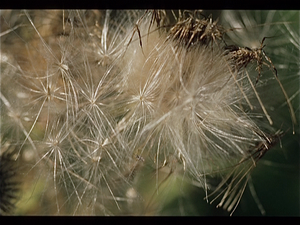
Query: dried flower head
x,y
192,30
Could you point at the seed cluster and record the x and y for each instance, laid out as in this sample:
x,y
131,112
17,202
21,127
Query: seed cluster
x,y
110,108
192,30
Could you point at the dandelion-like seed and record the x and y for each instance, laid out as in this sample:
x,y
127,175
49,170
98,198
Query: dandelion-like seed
x,y
125,108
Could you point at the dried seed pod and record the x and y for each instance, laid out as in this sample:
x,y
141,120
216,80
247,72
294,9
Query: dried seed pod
x,y
193,30
242,56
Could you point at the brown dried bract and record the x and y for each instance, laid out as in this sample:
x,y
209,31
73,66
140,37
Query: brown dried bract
x,y
262,147
193,30
157,16
242,56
